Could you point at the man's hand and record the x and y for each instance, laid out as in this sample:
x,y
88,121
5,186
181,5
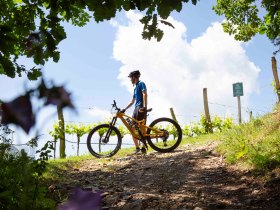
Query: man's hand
x,y
143,109
123,110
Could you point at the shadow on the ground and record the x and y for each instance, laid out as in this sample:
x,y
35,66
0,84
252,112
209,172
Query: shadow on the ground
x,y
180,180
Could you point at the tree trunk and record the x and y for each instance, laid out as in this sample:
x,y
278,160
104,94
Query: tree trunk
x,y
61,132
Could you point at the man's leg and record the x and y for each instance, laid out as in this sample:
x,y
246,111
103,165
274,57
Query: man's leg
x,y
136,142
141,116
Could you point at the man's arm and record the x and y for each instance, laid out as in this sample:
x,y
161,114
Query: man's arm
x,y
130,104
145,101
145,98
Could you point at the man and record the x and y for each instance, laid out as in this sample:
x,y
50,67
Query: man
x,y
140,99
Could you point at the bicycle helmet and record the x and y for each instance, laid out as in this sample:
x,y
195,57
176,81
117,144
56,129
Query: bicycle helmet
x,y
134,74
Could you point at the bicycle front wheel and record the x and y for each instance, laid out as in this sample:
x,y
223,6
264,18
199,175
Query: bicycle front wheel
x,y
164,135
101,147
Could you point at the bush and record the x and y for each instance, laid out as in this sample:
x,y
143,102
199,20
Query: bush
x,y
228,123
256,143
205,124
21,184
197,129
187,131
202,127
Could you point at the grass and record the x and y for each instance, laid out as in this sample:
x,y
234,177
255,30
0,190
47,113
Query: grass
x,y
256,143
57,167
200,140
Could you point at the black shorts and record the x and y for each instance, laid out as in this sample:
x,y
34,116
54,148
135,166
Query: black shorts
x,y
138,115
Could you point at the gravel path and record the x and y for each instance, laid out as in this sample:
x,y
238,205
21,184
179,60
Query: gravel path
x,y
192,177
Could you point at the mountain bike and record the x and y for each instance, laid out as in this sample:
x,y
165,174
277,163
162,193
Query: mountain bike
x,y
163,134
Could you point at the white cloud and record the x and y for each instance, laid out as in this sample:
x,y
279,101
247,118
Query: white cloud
x,y
100,114
176,70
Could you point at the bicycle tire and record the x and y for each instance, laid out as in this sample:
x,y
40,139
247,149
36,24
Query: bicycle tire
x,y
175,143
103,154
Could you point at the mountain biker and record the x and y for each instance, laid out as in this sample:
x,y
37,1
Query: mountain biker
x,y
140,99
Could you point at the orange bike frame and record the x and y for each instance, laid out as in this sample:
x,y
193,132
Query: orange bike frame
x,y
141,124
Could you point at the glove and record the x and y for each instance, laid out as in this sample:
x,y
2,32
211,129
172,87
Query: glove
x,y
123,111
143,109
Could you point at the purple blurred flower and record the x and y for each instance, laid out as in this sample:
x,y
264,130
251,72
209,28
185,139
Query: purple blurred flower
x,y
19,112
60,97
56,95
82,200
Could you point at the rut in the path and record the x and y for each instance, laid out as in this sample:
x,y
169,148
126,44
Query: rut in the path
x,y
189,178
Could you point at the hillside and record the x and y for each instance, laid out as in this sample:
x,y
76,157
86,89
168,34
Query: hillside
x,y
194,176
256,143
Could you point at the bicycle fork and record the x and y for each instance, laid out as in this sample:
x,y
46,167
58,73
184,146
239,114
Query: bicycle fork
x,y
108,134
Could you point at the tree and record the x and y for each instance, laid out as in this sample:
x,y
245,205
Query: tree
x,y
79,130
187,130
33,28
123,130
5,139
244,18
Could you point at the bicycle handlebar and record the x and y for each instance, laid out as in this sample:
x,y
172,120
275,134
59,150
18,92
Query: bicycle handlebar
x,y
114,105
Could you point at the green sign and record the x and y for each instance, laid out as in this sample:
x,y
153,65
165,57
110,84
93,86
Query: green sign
x,y
237,89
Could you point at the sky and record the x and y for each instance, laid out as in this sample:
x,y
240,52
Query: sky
x,y
96,60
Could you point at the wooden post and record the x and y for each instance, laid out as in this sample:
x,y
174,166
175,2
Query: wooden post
x,y
251,115
206,110
239,110
100,137
61,132
78,145
173,114
54,151
276,78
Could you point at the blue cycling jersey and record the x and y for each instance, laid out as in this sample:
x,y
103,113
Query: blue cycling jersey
x,y
139,88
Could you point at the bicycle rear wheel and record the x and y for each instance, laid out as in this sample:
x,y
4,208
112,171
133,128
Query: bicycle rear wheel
x,y
100,147
172,135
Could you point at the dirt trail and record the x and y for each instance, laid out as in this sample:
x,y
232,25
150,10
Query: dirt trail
x,y
192,177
